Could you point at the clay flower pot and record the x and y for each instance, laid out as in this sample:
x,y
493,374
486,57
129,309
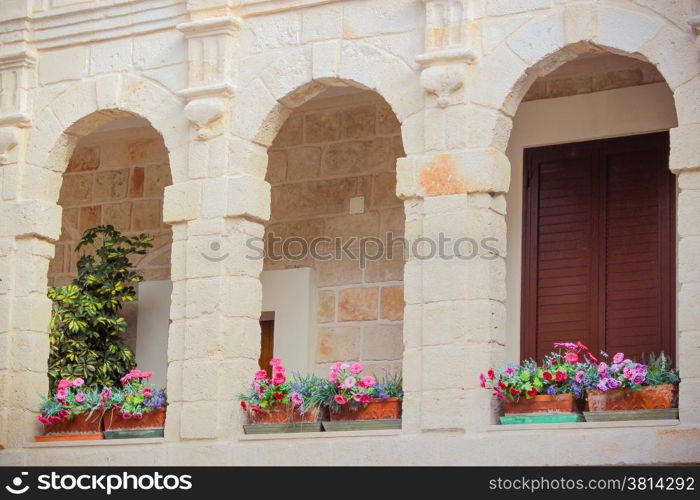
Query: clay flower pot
x,y
77,428
283,414
650,397
154,419
376,409
543,403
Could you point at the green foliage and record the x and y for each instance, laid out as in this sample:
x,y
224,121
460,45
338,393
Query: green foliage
x,y
660,370
86,328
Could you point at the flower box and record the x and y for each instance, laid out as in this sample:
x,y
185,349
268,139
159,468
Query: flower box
x,y
650,397
150,425
362,425
283,414
544,403
77,428
376,409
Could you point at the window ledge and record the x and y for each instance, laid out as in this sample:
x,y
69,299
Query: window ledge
x,y
583,425
319,435
96,442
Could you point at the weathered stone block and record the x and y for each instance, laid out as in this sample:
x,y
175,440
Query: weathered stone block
x,y
382,342
303,163
357,304
146,215
111,185
340,343
326,306
392,303
322,126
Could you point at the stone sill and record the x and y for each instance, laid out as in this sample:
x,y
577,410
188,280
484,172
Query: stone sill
x,y
583,425
96,442
319,435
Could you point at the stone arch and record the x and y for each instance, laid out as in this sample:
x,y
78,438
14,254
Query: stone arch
x,y
87,105
552,39
297,75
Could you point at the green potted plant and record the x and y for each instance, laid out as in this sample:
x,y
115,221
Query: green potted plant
x,y
86,327
135,410
73,413
357,401
622,389
275,404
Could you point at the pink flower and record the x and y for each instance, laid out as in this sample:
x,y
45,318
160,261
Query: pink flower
x,y
277,370
106,393
356,368
78,382
126,415
146,374
275,362
61,395
566,345
297,399
618,358
561,376
369,381
482,380
349,382
147,391
125,379
135,373
279,379
579,376
571,357
137,416
65,384
80,397
260,375
336,366
340,399
491,374
603,369
344,366
43,420
63,413
510,370
333,376
364,399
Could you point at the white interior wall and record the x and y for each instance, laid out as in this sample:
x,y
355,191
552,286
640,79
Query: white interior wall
x,y
611,113
288,293
153,322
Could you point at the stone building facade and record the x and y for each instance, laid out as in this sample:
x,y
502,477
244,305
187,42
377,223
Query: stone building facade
x,y
281,114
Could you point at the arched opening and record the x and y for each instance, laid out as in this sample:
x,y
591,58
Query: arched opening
x,y
332,280
591,210
116,176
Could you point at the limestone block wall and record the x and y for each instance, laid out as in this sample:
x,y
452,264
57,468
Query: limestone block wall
x,y
329,151
116,177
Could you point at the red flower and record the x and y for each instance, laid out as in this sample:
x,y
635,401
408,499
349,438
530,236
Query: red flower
x,y
580,344
244,406
255,408
279,396
502,385
492,375
547,375
561,376
514,391
532,392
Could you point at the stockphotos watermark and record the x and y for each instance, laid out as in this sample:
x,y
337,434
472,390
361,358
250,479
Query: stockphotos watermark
x,y
100,483
362,249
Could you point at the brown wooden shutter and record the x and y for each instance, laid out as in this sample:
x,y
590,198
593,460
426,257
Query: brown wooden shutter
x,y
598,246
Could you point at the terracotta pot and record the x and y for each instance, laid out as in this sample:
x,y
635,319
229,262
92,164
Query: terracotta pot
x,y
647,398
543,403
376,409
82,424
151,420
283,414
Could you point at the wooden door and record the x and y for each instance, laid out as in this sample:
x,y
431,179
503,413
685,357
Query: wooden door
x,y
599,246
267,344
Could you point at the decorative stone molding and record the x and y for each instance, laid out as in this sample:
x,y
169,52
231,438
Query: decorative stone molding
x,y
211,44
14,82
443,81
8,141
448,32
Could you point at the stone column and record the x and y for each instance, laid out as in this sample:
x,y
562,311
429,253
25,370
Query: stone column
x,y
215,335
685,162
30,224
454,278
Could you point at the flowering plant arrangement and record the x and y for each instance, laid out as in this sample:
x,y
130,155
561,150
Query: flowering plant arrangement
x,y
621,372
135,398
264,391
71,398
557,375
346,385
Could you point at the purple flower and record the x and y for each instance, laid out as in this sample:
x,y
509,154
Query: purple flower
x,y
617,359
613,383
603,369
638,378
551,390
579,376
614,368
641,369
602,386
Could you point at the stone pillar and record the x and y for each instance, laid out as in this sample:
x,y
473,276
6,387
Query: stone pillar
x,y
217,296
685,162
